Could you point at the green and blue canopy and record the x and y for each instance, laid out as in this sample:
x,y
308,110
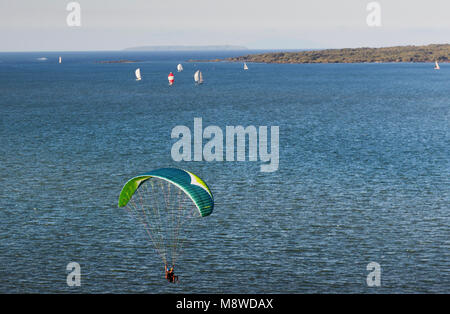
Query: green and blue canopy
x,y
194,187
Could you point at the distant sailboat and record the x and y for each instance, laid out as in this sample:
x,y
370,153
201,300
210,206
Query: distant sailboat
x,y
245,66
437,67
60,60
138,74
171,78
198,77
180,68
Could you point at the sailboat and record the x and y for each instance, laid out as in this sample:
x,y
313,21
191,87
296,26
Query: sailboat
x,y
198,77
138,74
180,68
171,78
437,67
60,60
245,66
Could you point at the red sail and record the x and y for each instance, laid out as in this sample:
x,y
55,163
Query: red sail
x,y
171,78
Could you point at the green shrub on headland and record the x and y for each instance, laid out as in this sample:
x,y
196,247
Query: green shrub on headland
x,y
430,53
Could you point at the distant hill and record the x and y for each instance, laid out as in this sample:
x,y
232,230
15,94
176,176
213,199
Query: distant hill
x,y
186,48
428,53
117,61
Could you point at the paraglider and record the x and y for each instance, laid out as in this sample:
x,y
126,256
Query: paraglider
x,y
170,274
166,202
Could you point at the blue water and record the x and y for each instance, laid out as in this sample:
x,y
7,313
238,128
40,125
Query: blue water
x,y
363,175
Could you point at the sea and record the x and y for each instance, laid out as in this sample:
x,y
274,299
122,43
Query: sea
x,y
361,191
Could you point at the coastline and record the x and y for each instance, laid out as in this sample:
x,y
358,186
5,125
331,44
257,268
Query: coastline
x,y
397,54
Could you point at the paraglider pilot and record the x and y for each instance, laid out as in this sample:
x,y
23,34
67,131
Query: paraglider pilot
x,y
170,274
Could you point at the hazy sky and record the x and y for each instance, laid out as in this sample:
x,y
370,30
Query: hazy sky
x,y
32,25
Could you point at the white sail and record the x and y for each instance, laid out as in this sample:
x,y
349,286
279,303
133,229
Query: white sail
x,y
198,77
138,74
60,60
436,67
245,66
180,68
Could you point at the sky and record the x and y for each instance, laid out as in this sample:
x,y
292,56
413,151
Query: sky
x,y
41,25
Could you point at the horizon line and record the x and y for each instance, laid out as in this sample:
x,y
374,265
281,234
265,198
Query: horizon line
x,y
211,50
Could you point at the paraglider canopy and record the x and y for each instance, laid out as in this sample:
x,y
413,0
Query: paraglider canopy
x,y
189,183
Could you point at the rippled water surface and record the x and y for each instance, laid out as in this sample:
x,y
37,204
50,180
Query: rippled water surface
x,y
363,174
